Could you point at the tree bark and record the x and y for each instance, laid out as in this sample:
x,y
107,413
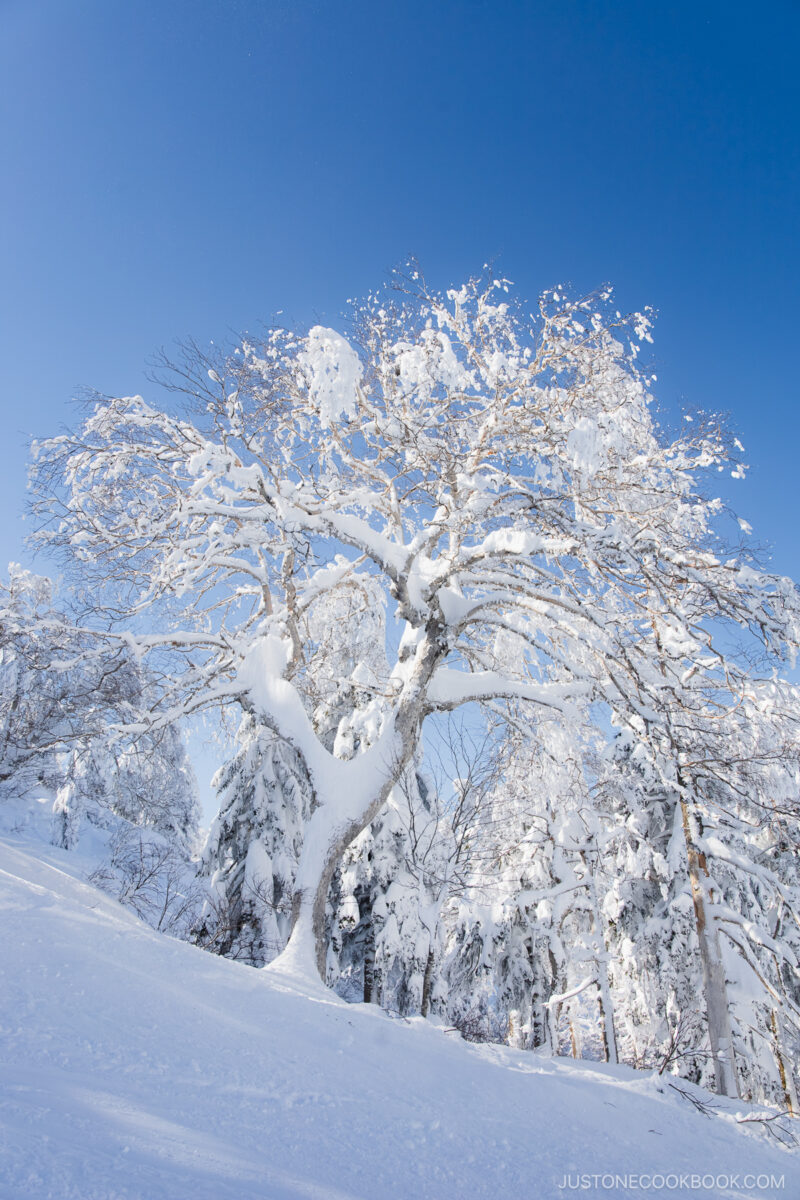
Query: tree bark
x,y
369,960
603,983
784,1068
716,992
427,984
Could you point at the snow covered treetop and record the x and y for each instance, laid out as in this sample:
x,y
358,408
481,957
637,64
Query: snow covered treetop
x,y
500,473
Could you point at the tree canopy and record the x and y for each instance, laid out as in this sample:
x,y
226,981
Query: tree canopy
x,y
493,483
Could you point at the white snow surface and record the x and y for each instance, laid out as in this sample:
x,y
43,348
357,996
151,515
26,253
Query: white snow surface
x,y
135,1067
334,373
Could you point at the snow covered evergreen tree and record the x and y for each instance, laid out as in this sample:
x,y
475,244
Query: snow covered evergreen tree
x,y
650,918
384,905
529,934
250,857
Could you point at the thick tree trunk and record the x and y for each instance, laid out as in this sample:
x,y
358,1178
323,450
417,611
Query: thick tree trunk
x,y
329,835
784,1067
716,992
606,1014
310,905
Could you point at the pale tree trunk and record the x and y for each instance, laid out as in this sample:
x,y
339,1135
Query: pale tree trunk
x,y
716,991
603,983
326,842
553,1013
573,1040
784,1067
328,834
606,1014
430,919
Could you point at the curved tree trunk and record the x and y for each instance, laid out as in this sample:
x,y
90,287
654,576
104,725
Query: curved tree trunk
x,y
308,906
329,835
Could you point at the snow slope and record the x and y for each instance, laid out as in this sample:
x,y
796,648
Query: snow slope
x,y
134,1067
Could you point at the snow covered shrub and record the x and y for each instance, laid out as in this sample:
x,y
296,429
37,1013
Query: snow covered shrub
x,y
147,873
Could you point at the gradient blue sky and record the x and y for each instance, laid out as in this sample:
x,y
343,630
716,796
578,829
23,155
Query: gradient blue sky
x,y
190,167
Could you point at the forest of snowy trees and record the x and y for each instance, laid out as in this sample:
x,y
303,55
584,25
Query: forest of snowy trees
x,y
516,747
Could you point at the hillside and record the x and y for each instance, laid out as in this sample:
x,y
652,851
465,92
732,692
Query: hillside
x,y
135,1067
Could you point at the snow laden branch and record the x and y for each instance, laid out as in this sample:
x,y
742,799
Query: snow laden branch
x,y
493,482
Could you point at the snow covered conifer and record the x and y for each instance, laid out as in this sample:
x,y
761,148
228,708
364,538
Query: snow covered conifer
x,y
647,903
534,906
250,857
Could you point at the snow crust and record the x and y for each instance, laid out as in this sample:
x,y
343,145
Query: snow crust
x,y
135,1067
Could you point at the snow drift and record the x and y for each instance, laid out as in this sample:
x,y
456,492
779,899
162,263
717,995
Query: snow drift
x,y
136,1067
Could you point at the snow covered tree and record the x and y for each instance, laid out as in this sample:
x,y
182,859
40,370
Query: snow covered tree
x,y
529,932
154,785
442,819
250,857
71,723
49,698
499,478
723,731
700,802
266,800
650,918
378,906
742,802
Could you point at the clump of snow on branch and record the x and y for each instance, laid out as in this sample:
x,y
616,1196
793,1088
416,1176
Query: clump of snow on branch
x,y
333,373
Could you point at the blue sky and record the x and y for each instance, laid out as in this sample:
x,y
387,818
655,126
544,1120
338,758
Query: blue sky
x,y
192,166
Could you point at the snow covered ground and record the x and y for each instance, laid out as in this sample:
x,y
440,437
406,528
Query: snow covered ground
x,y
135,1067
